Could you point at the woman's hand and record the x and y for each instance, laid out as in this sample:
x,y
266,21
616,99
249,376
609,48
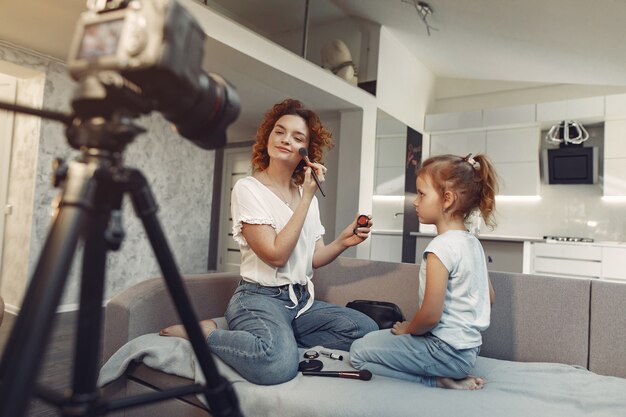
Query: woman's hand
x,y
353,234
309,186
400,327
350,236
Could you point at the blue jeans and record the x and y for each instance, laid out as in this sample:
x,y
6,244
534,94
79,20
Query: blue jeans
x,y
411,358
264,336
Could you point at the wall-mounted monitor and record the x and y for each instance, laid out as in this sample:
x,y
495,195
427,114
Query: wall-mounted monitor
x,y
571,164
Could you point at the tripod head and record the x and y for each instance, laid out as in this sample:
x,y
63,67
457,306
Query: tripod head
x,y
131,57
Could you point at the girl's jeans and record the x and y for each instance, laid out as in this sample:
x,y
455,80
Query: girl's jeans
x,y
264,336
412,358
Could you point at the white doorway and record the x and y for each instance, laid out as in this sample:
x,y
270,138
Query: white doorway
x,y
8,88
236,166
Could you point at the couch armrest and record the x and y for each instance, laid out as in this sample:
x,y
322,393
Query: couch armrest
x,y
147,307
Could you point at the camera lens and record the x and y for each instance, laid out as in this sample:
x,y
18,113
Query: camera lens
x,y
215,108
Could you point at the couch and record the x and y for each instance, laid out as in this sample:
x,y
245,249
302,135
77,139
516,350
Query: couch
x,y
547,330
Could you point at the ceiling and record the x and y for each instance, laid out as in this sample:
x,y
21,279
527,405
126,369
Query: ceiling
x,y
493,42
539,41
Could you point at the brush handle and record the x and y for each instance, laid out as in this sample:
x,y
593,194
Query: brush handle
x,y
362,375
317,181
305,155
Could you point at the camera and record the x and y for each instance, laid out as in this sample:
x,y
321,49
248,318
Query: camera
x,y
153,51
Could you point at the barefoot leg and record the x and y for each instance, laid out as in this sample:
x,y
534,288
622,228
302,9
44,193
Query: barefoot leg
x,y
468,383
178,330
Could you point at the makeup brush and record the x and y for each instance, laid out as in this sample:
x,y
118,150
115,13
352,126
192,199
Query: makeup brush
x,y
305,155
363,375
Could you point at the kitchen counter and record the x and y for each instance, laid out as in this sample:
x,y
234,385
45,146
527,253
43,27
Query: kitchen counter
x,y
595,243
500,238
388,232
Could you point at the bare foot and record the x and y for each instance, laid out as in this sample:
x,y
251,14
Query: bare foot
x,y
178,330
469,383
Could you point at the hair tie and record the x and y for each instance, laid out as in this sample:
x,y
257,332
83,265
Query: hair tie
x,y
474,163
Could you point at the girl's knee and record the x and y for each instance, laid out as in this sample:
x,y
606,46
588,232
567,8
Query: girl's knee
x,y
356,357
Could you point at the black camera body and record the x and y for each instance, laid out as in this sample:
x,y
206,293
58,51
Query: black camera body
x,y
157,47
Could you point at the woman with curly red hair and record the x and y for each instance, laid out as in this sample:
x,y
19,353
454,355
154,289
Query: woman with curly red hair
x,y
276,222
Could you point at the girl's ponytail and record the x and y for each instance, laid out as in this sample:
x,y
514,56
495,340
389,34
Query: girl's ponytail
x,y
488,177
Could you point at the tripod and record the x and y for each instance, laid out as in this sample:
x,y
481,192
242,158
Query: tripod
x,y
88,209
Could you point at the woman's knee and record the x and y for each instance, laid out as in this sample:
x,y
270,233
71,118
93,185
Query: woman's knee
x,y
361,324
272,368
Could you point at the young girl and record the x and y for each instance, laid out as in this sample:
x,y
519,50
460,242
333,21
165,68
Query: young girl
x,y
438,347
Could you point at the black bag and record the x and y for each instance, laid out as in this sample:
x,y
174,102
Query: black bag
x,y
384,313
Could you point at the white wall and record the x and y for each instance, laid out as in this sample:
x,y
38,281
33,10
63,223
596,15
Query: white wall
x,y
349,146
328,204
564,210
405,87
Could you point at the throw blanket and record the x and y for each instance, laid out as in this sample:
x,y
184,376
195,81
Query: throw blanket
x,y
512,389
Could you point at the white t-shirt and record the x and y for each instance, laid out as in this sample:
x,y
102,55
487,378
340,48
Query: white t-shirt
x,y
467,309
254,203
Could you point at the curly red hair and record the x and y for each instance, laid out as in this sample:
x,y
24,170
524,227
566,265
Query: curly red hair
x,y
320,138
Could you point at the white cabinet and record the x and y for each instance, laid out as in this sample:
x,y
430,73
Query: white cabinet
x,y
500,116
613,262
615,107
567,260
579,109
518,178
614,183
514,145
579,260
515,154
510,116
457,143
615,139
453,121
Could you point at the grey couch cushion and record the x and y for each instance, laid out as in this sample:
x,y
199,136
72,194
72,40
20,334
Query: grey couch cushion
x,y
607,345
347,279
538,319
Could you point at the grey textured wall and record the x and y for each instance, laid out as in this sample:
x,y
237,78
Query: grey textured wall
x,y
180,175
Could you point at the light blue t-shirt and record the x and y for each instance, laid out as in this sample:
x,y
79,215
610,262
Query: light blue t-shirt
x,y
466,310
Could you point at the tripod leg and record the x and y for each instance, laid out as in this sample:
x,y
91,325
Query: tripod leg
x,y
24,350
219,393
87,343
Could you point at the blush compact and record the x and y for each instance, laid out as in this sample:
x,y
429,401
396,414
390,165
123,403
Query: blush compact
x,y
310,365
